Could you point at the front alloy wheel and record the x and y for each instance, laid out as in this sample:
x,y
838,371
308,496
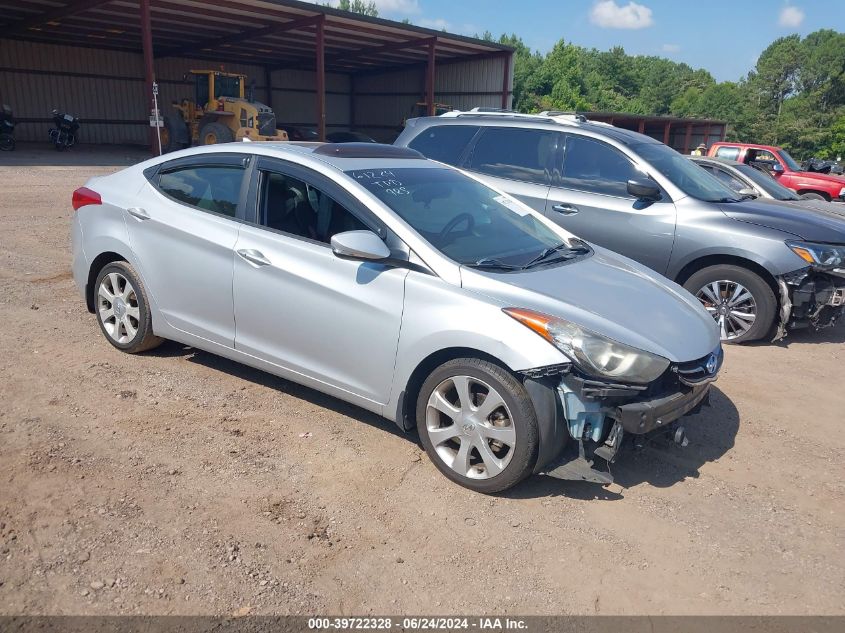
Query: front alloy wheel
x,y
741,302
478,424
731,305
470,427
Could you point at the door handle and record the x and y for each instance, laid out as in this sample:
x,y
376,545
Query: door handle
x,y
565,209
254,257
138,213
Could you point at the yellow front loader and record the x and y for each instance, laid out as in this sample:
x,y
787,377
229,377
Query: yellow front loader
x,y
219,113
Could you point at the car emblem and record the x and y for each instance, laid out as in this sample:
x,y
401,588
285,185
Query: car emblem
x,y
711,364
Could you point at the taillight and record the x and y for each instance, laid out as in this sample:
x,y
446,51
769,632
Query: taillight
x,y
83,196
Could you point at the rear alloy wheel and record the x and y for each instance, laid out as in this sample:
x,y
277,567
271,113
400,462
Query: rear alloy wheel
x,y
740,301
478,425
122,309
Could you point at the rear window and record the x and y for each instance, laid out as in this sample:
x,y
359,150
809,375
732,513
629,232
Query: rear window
x,y
444,142
515,154
210,188
731,153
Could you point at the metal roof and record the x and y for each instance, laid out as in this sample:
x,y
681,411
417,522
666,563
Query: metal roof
x,y
273,33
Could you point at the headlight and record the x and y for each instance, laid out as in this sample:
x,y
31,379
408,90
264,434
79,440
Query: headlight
x,y
593,353
823,254
842,192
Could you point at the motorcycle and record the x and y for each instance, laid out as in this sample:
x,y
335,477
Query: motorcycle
x,y
7,129
63,135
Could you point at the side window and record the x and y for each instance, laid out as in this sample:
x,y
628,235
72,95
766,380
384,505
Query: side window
x,y
731,181
444,142
209,188
596,167
515,153
291,206
731,153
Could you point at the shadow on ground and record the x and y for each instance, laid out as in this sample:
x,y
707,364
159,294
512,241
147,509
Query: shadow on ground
x,y
45,155
660,463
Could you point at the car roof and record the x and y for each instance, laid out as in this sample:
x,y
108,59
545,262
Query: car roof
x,y
772,148
715,159
517,120
341,156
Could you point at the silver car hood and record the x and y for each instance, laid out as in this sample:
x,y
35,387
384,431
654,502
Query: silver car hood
x,y
611,295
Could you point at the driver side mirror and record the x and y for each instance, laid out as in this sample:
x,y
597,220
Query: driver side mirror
x,y
644,189
777,168
360,245
747,191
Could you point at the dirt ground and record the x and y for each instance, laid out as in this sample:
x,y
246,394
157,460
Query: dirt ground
x,y
176,482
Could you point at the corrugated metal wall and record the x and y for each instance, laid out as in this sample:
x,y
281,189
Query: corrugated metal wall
x,y
382,101
105,89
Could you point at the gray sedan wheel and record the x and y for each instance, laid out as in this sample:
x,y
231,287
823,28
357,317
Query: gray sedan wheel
x,y
478,425
740,301
122,309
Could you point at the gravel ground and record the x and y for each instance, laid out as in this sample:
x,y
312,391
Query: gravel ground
x,y
176,482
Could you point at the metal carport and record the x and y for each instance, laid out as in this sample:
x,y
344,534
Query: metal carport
x,y
314,65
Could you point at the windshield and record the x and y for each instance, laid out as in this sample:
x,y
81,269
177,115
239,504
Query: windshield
x,y
790,162
463,219
767,183
684,174
227,86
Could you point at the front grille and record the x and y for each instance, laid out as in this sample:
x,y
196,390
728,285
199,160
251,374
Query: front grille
x,y
267,124
698,371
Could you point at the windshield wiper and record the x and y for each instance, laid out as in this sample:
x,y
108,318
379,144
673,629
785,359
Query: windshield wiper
x,y
552,250
492,262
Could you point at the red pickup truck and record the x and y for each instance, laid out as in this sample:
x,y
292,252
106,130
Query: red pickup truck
x,y
782,166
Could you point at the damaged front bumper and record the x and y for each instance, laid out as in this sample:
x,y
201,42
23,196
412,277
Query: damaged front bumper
x,y
812,297
596,420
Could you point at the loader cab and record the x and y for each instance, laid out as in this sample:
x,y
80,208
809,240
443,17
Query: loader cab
x,y
211,85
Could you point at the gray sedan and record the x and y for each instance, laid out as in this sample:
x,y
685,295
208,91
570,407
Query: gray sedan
x,y
753,183
402,286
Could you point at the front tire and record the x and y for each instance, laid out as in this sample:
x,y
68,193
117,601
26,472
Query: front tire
x,y
7,142
478,425
213,133
739,300
122,309
813,196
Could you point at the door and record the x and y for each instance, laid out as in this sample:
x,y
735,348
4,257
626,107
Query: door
x,y
299,306
592,201
516,160
183,237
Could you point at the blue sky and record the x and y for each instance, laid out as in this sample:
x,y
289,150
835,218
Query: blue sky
x,y
723,36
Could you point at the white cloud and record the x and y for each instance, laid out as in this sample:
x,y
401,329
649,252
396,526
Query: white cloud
x,y
671,48
791,17
440,24
609,15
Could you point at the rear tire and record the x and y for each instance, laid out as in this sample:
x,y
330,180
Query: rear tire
x,y
813,196
213,133
173,134
485,445
7,142
724,291
122,309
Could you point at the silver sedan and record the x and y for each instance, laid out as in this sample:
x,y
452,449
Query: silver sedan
x,y
403,286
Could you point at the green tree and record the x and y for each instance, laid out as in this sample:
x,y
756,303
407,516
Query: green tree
x,y
358,6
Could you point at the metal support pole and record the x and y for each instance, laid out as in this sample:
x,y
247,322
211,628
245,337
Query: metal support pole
x,y
687,138
429,79
506,80
268,83
666,127
149,71
641,128
321,79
